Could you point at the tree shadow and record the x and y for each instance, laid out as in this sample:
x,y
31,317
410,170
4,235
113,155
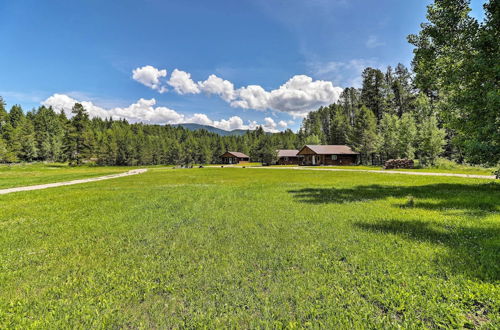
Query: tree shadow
x,y
472,199
473,251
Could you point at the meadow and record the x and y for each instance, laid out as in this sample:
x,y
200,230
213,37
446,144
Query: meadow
x,y
40,173
242,247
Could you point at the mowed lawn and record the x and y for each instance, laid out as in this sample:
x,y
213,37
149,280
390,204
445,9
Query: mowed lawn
x,y
240,247
34,174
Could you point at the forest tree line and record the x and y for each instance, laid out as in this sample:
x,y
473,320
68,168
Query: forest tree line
x,y
448,106
46,135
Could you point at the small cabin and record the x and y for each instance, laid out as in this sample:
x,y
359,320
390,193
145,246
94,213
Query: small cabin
x,y
289,157
328,155
234,157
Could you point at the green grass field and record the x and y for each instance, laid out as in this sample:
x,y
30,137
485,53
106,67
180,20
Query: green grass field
x,y
232,247
34,174
471,170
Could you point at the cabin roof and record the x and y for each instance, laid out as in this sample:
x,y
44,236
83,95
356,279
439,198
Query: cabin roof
x,y
236,154
287,153
331,149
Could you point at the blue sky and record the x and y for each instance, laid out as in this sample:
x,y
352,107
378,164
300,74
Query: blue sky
x,y
271,61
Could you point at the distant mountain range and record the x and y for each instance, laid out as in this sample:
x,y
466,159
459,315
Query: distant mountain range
x,y
195,127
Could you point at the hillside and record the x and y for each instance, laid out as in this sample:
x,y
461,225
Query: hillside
x,y
195,127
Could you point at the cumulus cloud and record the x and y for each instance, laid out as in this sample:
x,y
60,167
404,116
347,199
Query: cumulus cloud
x,y
282,124
182,83
150,76
298,96
218,86
146,111
141,111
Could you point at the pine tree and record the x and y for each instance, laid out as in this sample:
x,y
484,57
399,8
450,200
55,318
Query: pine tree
x,y
28,150
372,92
74,143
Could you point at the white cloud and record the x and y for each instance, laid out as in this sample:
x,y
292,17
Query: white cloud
x,y
182,83
218,86
146,111
374,42
301,94
298,96
282,124
251,97
141,111
150,76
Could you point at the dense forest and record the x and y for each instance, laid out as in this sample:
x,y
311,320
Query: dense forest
x,y
448,106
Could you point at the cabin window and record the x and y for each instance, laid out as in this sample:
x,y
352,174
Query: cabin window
x,y
334,157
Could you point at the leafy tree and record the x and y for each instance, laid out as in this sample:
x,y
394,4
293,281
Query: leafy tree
x,y
313,140
456,64
364,134
389,132
430,141
407,136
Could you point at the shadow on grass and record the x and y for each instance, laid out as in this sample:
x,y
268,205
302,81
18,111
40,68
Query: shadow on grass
x,y
472,199
474,251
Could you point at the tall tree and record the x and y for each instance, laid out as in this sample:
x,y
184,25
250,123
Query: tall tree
x,y
389,136
430,141
75,144
456,61
364,137
407,136
373,91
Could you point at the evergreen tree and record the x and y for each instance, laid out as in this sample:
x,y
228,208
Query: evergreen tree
x,y
75,147
372,92
28,151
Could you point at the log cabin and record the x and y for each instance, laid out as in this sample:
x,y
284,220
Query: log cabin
x,y
328,155
289,157
234,157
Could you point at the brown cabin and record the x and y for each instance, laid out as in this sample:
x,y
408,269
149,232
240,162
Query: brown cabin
x,y
234,157
288,157
328,155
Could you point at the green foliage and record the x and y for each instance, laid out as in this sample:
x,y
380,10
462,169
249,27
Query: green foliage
x,y
313,140
389,132
457,64
407,136
431,141
364,137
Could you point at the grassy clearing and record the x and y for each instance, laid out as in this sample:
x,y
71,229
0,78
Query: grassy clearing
x,y
472,171
464,170
34,174
244,247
